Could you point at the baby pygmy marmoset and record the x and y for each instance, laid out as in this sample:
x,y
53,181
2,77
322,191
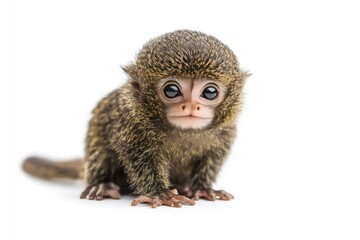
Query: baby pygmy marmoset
x,y
166,132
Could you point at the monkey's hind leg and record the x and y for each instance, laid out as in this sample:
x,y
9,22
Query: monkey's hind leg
x,y
101,191
204,175
98,173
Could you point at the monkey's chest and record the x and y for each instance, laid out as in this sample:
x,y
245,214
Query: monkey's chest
x,y
184,154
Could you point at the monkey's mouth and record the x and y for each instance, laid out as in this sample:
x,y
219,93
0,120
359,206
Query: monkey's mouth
x,y
189,117
189,121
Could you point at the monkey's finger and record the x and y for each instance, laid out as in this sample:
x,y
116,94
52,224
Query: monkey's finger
x,y
93,192
156,202
196,196
222,195
172,202
171,198
185,200
134,202
206,194
177,204
209,195
167,195
141,199
100,193
85,192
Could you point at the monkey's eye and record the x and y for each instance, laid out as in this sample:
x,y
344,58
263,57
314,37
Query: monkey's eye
x,y
209,93
172,91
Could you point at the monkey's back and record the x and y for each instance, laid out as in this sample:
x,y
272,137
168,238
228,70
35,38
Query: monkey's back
x,y
108,129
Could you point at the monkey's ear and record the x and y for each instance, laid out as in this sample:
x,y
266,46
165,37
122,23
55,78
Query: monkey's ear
x,y
248,74
131,70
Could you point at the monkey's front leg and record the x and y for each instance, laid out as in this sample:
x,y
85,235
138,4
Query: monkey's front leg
x,y
204,175
148,173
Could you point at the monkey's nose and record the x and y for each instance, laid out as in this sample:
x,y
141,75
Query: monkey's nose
x,y
194,107
197,107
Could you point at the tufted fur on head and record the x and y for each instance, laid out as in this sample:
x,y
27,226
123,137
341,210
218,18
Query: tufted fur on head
x,y
189,55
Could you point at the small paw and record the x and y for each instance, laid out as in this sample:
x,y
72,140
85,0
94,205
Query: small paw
x,y
101,191
168,198
212,195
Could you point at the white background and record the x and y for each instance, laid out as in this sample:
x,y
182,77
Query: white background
x,y
294,169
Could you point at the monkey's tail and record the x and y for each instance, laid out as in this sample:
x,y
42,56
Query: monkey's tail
x,y
46,169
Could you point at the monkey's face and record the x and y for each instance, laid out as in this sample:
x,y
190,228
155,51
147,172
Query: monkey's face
x,y
190,104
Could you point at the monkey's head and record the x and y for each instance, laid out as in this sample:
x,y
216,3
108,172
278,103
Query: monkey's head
x,y
191,78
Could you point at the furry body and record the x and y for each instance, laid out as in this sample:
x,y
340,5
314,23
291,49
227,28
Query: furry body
x,y
131,143
124,143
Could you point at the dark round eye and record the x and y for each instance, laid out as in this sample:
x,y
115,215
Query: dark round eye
x,y
172,91
209,93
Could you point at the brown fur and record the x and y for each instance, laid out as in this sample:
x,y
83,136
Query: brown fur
x,y
46,169
130,141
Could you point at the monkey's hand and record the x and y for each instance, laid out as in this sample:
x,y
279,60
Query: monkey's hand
x,y
208,194
212,195
101,191
168,198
